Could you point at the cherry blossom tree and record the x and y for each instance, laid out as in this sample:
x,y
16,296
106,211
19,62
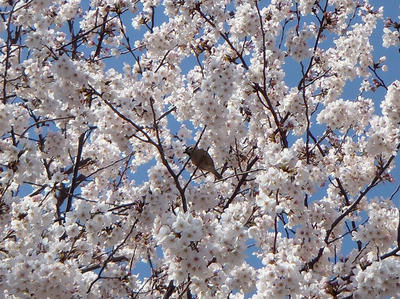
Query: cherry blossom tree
x,y
100,100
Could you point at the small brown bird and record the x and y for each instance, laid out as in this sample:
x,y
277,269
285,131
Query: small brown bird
x,y
202,160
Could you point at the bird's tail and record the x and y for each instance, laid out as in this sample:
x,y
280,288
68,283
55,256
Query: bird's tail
x,y
217,175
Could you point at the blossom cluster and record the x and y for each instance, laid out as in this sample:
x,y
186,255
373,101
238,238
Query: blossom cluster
x,y
99,100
